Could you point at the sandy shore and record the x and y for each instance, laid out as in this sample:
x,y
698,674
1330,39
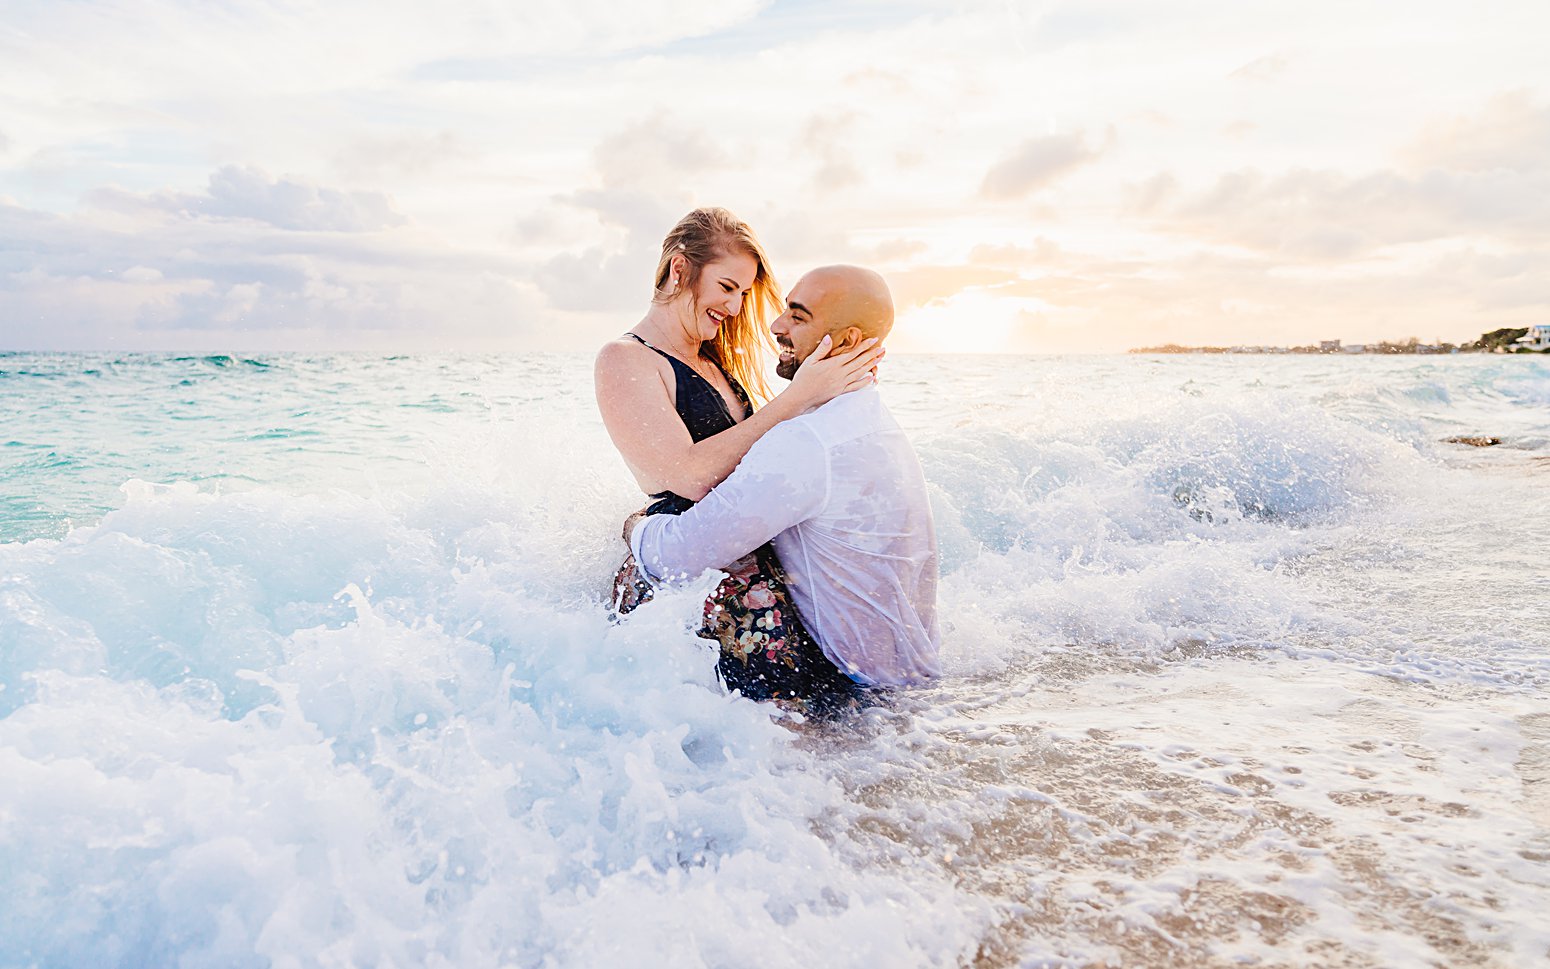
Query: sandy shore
x,y
1224,811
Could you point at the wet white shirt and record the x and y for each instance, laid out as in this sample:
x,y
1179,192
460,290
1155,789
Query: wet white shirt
x,y
840,492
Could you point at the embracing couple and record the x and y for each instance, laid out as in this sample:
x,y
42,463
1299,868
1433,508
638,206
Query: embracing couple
x,y
813,503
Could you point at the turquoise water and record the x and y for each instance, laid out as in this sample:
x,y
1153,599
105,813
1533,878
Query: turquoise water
x,y
303,660
79,425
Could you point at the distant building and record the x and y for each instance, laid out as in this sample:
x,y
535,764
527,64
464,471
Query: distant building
x,y
1329,346
1537,338
1354,348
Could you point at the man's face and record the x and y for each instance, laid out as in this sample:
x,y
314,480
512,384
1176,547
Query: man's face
x,y
797,331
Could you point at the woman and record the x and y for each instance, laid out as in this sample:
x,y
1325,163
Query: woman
x,y
674,395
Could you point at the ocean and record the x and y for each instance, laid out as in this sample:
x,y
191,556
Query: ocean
x,y
304,660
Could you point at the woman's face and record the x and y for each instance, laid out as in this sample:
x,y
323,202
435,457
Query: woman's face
x,y
718,295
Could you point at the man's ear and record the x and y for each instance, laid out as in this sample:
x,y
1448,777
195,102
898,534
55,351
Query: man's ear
x,y
846,339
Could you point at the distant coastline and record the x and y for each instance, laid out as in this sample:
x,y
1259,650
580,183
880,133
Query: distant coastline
x,y
1505,340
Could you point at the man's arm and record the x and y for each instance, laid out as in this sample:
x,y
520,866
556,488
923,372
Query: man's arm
x,y
782,481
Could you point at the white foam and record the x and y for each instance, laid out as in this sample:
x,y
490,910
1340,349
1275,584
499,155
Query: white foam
x,y
448,771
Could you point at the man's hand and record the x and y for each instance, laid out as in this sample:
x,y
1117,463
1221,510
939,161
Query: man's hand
x,y
631,522
826,374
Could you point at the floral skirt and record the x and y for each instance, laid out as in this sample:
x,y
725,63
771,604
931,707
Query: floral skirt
x,y
765,651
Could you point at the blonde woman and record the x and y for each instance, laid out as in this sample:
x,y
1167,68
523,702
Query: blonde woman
x,y
677,395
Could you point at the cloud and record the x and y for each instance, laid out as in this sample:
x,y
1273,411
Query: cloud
x,y
1146,197
403,153
1154,117
1512,132
1093,303
826,142
801,237
291,47
613,277
1035,164
896,250
1043,252
928,285
1266,68
642,171
1325,215
1229,299
239,192
158,274
656,151
1046,298
1480,176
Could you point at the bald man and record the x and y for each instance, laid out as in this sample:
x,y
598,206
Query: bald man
x,y
840,493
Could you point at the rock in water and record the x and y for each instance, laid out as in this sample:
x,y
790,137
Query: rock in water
x,y
1474,441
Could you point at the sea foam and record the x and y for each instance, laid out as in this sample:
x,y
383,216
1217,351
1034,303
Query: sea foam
x,y
447,771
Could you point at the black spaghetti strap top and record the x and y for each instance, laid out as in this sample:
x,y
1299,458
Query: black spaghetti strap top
x,y
703,411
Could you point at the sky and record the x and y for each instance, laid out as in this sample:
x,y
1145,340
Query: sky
x,y
1033,177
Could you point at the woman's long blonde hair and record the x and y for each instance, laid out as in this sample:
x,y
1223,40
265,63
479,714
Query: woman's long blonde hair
x,y
744,344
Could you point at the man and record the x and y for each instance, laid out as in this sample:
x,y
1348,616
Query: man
x,y
841,494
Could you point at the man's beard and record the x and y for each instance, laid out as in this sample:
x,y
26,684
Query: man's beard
x,y
786,367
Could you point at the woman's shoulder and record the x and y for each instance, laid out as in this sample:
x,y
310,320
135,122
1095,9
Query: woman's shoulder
x,y
621,365
625,353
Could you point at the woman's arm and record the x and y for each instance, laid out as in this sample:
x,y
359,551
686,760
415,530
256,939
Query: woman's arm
x,y
637,409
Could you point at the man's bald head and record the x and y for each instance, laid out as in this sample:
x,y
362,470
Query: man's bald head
x,y
848,296
846,303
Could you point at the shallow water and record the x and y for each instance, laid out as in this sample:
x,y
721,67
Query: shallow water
x,y
302,660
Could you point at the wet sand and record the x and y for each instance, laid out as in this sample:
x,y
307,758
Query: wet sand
x,y
1219,811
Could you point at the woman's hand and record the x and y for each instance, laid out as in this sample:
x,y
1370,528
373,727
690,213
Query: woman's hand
x,y
631,522
822,377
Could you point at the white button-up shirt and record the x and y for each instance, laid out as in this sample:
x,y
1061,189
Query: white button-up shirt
x,y
840,492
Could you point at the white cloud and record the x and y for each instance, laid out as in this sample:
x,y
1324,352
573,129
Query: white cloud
x,y
642,173
1146,197
1041,252
1266,68
1035,164
246,195
1330,215
1511,132
237,192
409,153
827,141
178,278
184,47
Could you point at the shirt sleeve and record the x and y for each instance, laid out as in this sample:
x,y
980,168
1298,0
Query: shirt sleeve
x,y
781,481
